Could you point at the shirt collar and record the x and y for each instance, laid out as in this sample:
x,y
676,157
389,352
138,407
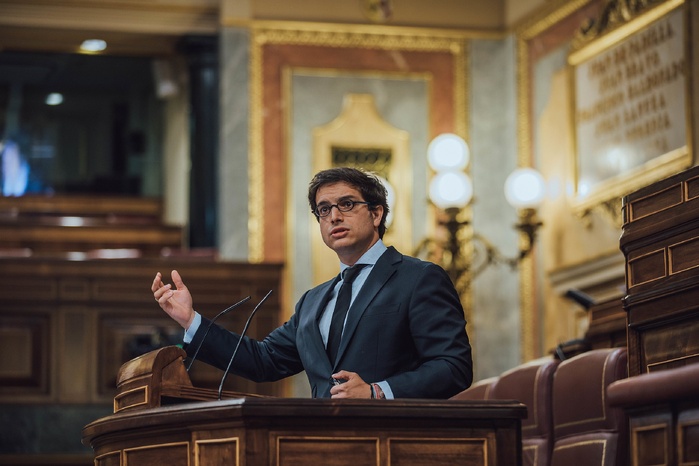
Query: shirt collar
x,y
370,257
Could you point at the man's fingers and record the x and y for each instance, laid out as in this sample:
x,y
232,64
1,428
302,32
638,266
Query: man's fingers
x,y
177,280
342,375
164,290
157,283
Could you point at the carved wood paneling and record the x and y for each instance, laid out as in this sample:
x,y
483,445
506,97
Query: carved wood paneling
x,y
302,449
25,341
217,451
688,437
172,454
437,451
72,324
109,459
660,241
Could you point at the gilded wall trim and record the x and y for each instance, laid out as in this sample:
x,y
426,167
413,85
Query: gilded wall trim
x,y
380,37
529,320
350,37
615,14
255,159
463,103
339,28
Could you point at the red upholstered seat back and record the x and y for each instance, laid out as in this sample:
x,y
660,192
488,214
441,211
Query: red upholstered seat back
x,y
532,385
477,391
587,430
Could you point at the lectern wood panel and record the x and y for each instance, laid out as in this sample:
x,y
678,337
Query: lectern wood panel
x,y
109,459
306,449
419,452
217,451
170,454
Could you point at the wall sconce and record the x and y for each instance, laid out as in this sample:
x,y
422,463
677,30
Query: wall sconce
x,y
451,190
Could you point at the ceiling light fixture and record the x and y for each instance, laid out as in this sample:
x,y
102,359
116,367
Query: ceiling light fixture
x,y
93,45
54,98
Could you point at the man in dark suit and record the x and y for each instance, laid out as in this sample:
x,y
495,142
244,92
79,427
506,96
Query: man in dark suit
x,y
404,333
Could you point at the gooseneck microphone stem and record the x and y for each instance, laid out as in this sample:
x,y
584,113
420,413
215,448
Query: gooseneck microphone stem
x,y
211,322
242,335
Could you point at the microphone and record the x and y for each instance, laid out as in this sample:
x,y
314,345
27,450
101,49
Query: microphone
x,y
235,351
581,298
211,322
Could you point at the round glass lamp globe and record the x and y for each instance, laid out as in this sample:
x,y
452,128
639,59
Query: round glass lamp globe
x,y
448,152
451,189
525,188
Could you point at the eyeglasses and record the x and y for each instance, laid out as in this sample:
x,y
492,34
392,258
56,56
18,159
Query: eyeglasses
x,y
323,210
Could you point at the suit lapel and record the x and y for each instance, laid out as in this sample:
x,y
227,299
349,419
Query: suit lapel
x,y
325,293
384,268
316,342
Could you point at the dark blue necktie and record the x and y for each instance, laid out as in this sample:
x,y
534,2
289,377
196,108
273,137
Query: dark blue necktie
x,y
344,297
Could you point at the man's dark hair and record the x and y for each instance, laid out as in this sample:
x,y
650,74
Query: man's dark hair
x,y
371,188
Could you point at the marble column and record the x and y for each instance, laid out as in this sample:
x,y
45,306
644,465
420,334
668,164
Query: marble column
x,y
233,154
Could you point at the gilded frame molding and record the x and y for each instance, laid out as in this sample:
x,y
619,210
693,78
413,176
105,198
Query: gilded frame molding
x,y
265,33
622,23
529,320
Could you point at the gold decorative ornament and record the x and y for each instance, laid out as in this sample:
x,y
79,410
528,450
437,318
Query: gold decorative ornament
x,y
378,11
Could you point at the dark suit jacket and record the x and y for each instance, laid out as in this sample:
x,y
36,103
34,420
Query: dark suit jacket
x,y
406,326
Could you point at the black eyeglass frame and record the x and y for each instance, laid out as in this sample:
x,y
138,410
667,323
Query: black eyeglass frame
x,y
350,203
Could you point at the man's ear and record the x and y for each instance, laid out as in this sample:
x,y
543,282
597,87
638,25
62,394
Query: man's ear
x,y
377,212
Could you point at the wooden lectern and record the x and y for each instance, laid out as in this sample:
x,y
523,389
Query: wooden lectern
x,y
157,421
159,378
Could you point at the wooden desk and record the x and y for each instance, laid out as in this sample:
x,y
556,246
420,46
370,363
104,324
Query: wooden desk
x,y
660,241
284,431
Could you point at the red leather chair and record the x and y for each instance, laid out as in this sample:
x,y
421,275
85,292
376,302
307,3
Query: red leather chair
x,y
587,430
477,391
531,384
